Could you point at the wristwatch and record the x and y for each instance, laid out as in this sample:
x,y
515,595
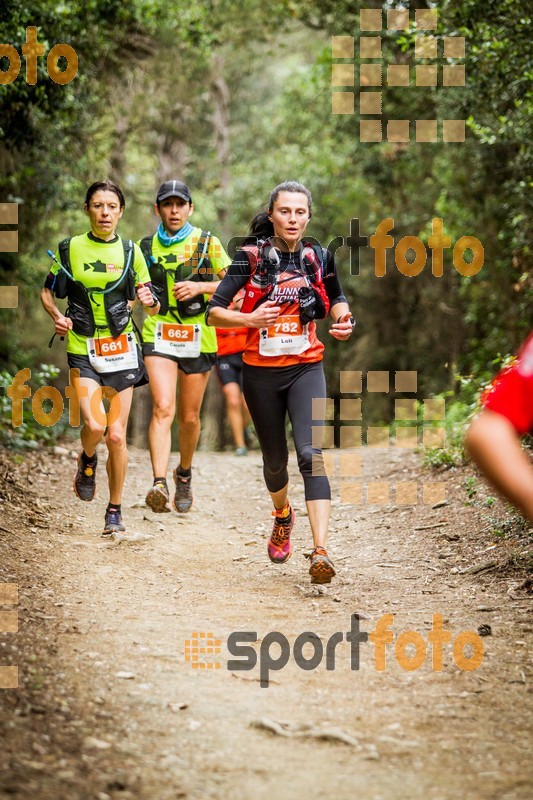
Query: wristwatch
x,y
351,320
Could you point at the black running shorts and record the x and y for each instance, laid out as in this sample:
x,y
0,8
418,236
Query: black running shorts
x,y
190,366
117,380
229,369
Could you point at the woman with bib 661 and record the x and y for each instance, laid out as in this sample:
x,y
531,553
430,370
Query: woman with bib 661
x,y
101,275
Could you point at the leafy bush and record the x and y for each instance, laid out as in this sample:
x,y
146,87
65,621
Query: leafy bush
x,y
461,406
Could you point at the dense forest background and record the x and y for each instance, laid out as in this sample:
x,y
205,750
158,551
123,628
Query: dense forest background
x,y
235,98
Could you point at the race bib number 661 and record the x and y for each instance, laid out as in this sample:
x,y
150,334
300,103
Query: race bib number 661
x,y
112,354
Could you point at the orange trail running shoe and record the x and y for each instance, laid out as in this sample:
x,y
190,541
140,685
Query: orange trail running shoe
x,y
279,545
321,569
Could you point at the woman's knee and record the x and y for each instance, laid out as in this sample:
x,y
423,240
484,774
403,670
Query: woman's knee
x,y
95,428
275,471
308,458
116,436
164,409
233,403
189,419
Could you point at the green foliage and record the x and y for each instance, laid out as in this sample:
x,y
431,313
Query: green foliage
x,y
461,405
161,84
470,487
511,526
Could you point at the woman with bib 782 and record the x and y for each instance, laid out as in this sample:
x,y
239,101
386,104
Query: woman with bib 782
x,y
288,283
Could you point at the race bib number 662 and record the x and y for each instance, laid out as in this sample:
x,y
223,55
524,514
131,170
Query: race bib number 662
x,y
183,341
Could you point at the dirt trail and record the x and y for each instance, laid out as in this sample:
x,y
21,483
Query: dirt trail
x,y
108,707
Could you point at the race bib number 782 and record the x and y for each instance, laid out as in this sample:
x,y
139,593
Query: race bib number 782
x,y
287,336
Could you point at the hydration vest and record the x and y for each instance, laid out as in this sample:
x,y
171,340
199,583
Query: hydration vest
x,y
200,269
116,294
266,267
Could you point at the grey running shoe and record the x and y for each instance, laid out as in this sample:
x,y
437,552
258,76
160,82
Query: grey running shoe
x,y
183,494
113,522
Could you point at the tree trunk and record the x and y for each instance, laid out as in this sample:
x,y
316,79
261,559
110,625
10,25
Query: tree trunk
x,y
216,432
221,96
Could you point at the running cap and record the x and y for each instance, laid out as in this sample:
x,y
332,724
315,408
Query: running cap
x,y
173,189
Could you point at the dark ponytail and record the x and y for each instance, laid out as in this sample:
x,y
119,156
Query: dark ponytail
x,y
261,226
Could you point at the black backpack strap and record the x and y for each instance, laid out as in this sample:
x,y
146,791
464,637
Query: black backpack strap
x,y
64,276
127,245
146,248
137,331
64,254
266,267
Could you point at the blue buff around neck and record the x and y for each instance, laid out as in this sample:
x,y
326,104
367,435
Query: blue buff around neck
x,y
167,240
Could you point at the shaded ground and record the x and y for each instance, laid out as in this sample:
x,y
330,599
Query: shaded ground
x,y
108,706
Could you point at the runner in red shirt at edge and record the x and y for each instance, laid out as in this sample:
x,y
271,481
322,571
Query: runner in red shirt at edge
x,y
493,439
282,370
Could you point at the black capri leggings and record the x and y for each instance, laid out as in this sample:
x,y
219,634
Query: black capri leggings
x,y
270,393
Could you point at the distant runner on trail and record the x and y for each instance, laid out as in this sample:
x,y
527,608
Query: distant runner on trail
x,y
288,284
101,275
493,439
178,347
231,343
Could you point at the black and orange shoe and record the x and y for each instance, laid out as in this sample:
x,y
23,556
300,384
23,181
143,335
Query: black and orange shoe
x,y
158,498
85,480
279,545
321,569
